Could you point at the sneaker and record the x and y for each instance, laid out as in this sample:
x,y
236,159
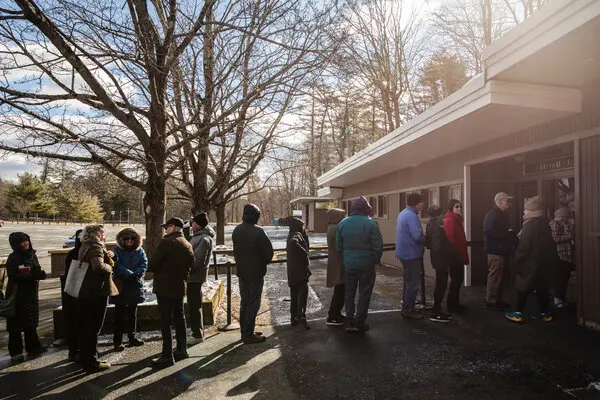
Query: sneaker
x,y
119,347
514,316
254,339
362,326
412,315
17,359
546,317
163,362
352,328
180,355
135,342
494,306
98,367
559,304
74,356
420,307
335,321
439,317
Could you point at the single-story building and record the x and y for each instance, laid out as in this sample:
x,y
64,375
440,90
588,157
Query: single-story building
x,y
528,125
314,211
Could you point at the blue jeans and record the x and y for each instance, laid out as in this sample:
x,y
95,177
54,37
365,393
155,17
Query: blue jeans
x,y
250,295
412,283
170,309
364,281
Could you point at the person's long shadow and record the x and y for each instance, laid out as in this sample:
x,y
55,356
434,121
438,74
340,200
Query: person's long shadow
x,y
225,359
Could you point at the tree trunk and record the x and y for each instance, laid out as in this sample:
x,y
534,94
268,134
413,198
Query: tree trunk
x,y
154,210
220,210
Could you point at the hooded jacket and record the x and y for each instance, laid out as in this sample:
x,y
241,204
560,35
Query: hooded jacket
x,y
359,240
171,263
453,226
99,282
202,243
335,264
24,272
252,248
297,254
129,270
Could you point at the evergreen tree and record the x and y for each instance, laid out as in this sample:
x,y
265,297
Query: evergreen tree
x,y
30,196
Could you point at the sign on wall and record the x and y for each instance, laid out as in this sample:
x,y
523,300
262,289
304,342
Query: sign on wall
x,y
556,164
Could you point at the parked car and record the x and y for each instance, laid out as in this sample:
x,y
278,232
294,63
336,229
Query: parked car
x,y
70,242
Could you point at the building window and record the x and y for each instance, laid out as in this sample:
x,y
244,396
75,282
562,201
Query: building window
x,y
382,207
373,203
402,201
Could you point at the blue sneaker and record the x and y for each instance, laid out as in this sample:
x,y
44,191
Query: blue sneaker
x,y
514,316
546,317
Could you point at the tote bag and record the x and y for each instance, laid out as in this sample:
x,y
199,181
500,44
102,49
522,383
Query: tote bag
x,y
75,278
8,305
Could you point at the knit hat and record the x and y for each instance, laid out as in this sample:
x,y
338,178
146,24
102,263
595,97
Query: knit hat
x,y
434,211
201,219
562,212
362,206
534,204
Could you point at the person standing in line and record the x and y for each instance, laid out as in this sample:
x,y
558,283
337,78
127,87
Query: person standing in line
x,y
171,263
499,241
128,275
441,253
69,306
97,286
409,250
24,273
202,243
335,269
298,271
563,233
252,251
454,228
536,261
359,240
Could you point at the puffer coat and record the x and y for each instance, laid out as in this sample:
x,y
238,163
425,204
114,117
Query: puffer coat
x,y
130,267
24,272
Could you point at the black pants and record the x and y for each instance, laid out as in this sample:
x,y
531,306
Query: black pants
x,y
194,300
457,276
250,295
72,324
91,318
562,279
542,295
362,280
15,341
441,283
172,309
337,301
125,321
299,293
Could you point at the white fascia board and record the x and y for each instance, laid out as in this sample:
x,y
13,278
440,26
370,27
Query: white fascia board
x,y
552,22
536,96
473,95
330,192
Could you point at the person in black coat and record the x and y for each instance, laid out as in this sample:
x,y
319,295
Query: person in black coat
x,y
24,272
252,251
297,271
536,261
69,305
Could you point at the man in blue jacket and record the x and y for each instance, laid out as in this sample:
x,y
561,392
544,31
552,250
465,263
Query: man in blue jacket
x,y
409,250
359,241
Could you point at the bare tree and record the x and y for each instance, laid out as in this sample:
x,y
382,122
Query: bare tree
x,y
89,82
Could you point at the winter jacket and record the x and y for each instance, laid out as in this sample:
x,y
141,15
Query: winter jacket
x,y
130,268
409,235
202,243
335,264
73,254
252,248
171,263
536,257
98,282
453,226
441,251
297,259
24,272
359,240
498,239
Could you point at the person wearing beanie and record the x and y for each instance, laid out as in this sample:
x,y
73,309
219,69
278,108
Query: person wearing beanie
x,y
202,243
252,251
441,252
536,259
409,250
499,243
335,269
69,305
454,228
563,233
297,271
359,241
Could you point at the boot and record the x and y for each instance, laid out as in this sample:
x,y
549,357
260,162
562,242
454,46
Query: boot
x,y
135,342
163,362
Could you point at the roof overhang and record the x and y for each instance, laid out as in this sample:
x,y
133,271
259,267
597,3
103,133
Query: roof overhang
x,y
310,199
479,112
